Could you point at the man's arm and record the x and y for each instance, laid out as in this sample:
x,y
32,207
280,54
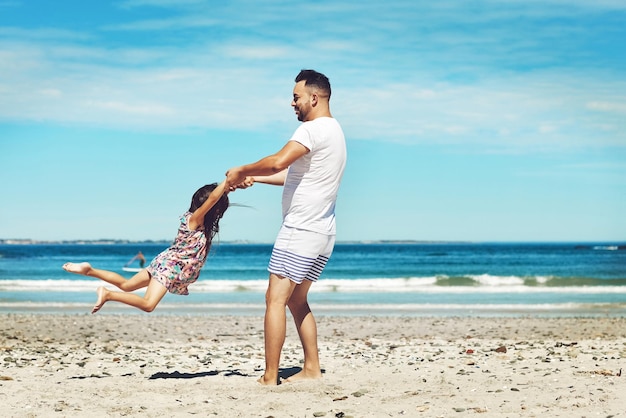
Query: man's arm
x,y
270,167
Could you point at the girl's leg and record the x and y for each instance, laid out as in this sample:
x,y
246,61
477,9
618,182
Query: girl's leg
x,y
147,302
138,281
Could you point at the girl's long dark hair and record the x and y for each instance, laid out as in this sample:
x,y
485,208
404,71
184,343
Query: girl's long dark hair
x,y
213,216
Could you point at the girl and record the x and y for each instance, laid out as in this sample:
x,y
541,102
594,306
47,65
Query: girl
x,y
175,268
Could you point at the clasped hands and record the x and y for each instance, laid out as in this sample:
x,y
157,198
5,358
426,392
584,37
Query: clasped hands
x,y
236,181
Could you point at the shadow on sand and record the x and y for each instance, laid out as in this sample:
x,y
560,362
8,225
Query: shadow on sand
x,y
179,375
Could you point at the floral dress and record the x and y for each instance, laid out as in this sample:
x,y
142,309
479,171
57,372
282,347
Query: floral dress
x,y
179,265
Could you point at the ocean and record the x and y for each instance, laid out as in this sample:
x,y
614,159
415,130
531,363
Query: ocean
x,y
423,279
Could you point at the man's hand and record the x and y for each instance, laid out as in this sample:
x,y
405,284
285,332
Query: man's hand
x,y
236,180
234,177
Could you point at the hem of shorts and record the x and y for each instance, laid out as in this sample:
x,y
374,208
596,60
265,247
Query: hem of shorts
x,y
304,228
289,278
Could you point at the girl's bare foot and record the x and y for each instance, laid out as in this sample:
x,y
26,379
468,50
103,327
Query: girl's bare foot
x,y
102,297
78,268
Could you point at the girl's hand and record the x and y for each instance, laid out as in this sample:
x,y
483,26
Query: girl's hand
x,y
247,182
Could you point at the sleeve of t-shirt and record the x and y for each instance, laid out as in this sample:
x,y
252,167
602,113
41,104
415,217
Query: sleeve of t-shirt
x,y
303,136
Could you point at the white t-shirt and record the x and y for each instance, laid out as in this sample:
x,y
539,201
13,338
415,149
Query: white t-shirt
x,y
312,182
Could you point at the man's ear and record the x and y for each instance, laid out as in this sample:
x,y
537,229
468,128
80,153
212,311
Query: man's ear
x,y
314,99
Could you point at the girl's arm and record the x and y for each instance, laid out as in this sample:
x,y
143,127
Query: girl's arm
x,y
277,179
197,218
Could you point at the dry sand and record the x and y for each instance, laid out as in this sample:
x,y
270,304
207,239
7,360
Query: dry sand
x,y
151,365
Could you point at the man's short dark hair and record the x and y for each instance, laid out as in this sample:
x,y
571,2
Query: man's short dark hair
x,y
314,79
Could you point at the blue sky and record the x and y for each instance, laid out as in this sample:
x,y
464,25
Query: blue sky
x,y
473,121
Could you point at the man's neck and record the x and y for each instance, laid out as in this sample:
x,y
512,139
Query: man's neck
x,y
322,113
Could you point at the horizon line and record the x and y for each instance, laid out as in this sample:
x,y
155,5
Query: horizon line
x,y
106,241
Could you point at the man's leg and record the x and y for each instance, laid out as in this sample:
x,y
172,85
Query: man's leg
x,y
278,293
307,330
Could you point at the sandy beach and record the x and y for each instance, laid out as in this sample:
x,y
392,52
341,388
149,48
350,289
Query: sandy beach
x,y
154,365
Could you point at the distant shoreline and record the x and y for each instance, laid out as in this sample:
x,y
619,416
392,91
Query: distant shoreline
x,y
159,242
620,245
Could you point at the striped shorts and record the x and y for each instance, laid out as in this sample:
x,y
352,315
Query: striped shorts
x,y
300,254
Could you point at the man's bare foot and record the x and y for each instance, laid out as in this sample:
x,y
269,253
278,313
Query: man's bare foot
x,y
304,375
267,382
102,297
78,268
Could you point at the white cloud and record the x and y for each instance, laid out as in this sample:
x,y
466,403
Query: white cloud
x,y
67,83
164,24
51,92
534,111
159,3
448,77
255,52
127,109
612,107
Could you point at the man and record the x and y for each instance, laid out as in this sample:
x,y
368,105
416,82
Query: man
x,y
310,167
